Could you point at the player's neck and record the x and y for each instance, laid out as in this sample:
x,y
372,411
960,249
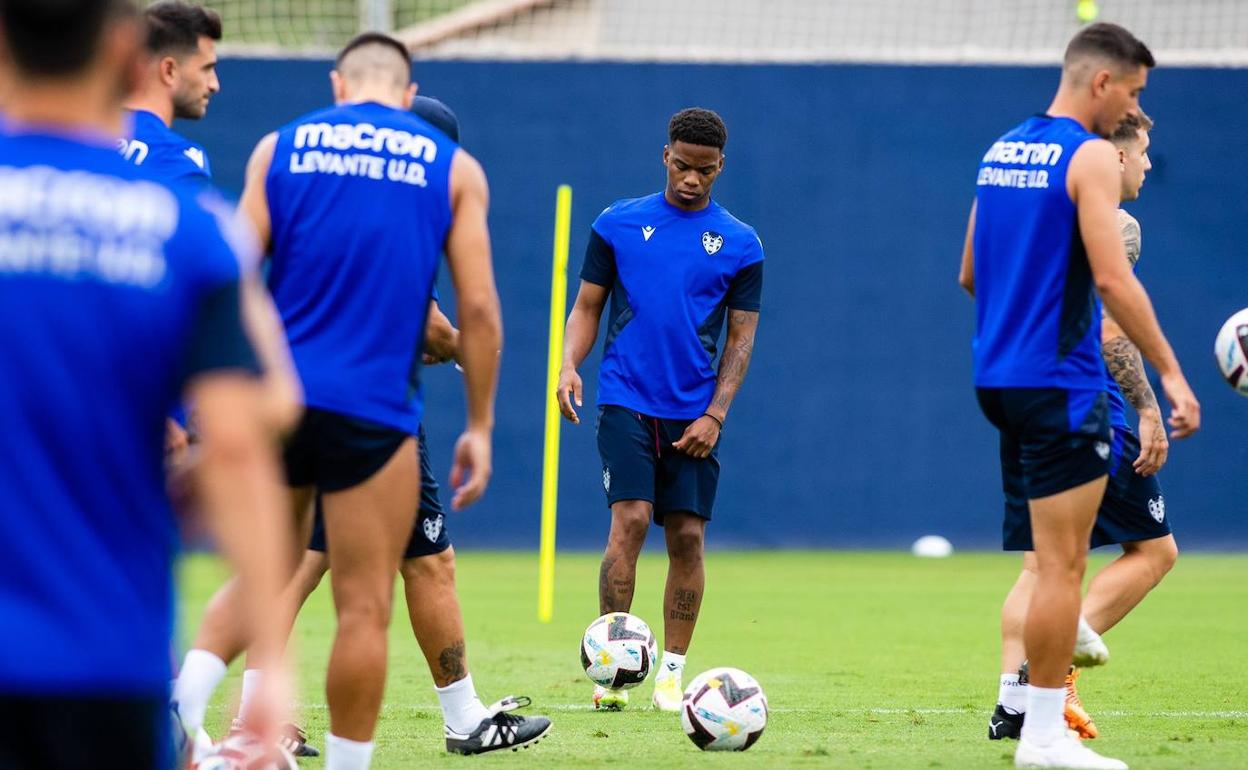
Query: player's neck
x,y
676,202
82,104
375,94
159,105
1066,106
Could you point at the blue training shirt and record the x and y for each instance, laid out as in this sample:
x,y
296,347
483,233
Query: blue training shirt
x,y
1038,317
672,274
114,290
360,201
163,153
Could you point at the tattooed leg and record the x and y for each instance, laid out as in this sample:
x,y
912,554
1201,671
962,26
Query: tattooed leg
x,y
617,577
686,579
433,608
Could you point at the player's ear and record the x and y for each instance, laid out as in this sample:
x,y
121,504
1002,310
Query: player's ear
x,y
666,153
1122,159
1100,81
168,70
721,161
408,96
338,86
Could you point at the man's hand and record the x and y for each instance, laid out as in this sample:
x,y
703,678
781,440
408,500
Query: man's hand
x,y
569,390
1154,446
1184,408
699,438
471,472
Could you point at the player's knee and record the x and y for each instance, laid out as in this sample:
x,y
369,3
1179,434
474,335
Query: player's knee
x,y
628,526
685,541
434,569
1161,555
363,607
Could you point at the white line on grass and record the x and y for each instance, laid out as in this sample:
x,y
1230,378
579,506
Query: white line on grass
x,y
575,707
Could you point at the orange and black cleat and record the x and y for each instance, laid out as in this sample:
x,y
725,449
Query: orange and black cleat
x,y
1077,717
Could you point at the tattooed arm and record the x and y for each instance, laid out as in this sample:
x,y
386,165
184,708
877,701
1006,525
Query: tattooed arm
x,y
738,348
702,434
1126,366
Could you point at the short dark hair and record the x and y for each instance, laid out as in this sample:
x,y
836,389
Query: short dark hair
x,y
176,27
373,38
1109,41
695,125
56,37
1129,129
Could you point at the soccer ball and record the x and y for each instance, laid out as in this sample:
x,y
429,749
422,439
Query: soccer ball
x,y
618,650
1231,351
724,709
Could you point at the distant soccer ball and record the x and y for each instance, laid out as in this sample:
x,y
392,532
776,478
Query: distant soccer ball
x,y
724,709
1231,351
618,650
932,547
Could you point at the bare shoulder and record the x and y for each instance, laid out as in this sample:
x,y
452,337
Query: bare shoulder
x,y
1129,227
1094,164
467,177
262,155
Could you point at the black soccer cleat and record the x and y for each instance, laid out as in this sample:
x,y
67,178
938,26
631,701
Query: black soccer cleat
x,y
294,739
501,730
1004,723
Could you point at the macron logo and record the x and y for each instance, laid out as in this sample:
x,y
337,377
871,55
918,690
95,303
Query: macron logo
x,y
647,231
196,155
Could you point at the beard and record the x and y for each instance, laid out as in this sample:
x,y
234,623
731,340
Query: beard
x,y
189,107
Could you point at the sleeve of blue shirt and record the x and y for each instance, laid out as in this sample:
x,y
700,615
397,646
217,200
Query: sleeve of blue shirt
x,y
599,264
218,340
745,292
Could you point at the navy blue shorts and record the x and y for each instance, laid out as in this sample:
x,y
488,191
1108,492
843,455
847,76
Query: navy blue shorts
x,y
429,535
640,463
334,451
1134,508
1052,440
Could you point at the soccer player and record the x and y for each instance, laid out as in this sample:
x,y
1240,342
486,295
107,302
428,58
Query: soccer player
x,y
1133,513
117,294
178,82
428,568
1042,243
356,203
674,264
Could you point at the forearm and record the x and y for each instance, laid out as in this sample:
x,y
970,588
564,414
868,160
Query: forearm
x,y
735,362
1126,366
480,340
578,337
1132,310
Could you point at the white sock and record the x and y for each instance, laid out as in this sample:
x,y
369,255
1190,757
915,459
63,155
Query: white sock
x,y
201,673
251,683
1044,722
461,708
343,754
1084,631
671,665
1011,694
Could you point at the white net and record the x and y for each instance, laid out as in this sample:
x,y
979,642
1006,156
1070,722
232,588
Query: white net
x,y
1180,32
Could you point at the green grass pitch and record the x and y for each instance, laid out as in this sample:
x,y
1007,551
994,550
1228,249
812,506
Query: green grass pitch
x,y
869,660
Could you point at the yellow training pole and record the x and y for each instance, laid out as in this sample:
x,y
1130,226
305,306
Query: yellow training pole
x,y
550,468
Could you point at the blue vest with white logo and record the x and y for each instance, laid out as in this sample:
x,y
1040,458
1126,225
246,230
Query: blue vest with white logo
x,y
1038,317
360,201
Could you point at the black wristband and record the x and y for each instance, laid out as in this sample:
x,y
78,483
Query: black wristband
x,y
718,421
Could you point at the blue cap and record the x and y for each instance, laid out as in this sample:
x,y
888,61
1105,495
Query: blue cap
x,y
438,115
